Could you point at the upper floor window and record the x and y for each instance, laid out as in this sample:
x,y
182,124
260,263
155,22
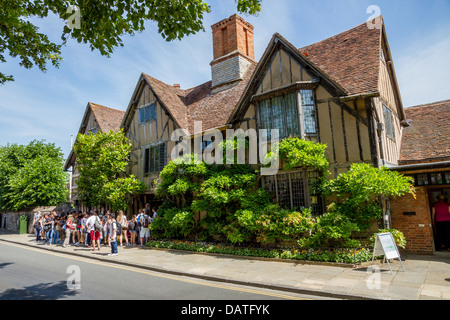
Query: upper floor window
x,y
389,122
282,113
155,159
309,111
147,114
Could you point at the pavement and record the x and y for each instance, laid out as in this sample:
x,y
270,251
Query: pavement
x,y
424,278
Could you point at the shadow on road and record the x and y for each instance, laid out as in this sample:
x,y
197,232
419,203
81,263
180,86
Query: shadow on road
x,y
41,291
2,265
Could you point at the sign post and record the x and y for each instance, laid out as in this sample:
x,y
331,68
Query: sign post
x,y
385,246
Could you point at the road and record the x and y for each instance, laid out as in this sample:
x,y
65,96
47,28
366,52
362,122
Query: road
x,y
32,274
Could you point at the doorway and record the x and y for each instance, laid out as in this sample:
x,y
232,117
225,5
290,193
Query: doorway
x,y
433,194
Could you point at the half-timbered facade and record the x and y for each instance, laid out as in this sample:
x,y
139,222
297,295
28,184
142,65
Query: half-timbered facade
x,y
97,118
341,92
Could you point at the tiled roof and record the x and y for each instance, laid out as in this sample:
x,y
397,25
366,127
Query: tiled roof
x,y
428,137
351,58
107,118
200,103
172,98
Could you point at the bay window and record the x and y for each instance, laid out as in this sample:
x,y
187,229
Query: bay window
x,y
282,113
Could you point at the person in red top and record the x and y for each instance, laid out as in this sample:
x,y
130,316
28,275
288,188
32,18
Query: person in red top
x,y
441,220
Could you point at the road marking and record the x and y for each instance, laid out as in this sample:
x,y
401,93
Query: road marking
x,y
155,274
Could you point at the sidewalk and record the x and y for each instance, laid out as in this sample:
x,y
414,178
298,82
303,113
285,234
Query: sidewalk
x,y
426,277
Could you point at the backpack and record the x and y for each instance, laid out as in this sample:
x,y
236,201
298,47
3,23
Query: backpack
x,y
119,228
98,226
146,222
139,224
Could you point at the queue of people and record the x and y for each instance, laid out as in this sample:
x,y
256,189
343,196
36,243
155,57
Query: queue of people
x,y
93,229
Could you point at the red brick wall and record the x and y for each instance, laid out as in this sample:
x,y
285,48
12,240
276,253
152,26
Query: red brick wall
x,y
233,34
417,229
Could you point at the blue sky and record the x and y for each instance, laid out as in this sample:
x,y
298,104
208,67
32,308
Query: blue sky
x,y
50,105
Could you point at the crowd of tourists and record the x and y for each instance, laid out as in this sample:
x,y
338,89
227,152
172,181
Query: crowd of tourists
x,y
94,229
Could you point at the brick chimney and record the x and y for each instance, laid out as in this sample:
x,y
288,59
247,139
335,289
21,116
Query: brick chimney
x,y
234,51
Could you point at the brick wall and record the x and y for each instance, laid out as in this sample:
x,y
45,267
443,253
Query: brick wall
x,y
417,228
233,48
233,34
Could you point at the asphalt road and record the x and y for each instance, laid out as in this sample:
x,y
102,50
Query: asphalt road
x,y
31,274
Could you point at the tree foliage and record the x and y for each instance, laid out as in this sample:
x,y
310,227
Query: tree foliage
x,y
31,176
103,25
102,159
359,195
221,202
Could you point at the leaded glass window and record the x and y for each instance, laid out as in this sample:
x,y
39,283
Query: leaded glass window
x,y
282,113
309,113
147,114
389,122
155,159
290,190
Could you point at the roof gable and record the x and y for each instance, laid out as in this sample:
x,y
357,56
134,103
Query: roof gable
x,y
108,119
195,104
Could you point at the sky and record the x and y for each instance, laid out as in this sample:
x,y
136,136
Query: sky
x,y
50,106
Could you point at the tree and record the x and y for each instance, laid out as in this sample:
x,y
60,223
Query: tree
x,y
102,25
32,176
102,159
359,194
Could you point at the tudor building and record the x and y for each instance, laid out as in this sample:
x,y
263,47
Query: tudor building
x,y
341,92
97,118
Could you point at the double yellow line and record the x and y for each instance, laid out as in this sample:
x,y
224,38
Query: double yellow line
x,y
159,275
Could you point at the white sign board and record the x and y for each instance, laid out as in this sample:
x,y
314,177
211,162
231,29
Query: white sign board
x,y
385,245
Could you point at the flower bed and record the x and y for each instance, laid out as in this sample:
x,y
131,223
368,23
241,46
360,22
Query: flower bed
x,y
345,255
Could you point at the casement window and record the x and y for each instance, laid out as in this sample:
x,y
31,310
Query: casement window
x,y
389,122
295,190
432,179
282,113
155,159
309,111
147,114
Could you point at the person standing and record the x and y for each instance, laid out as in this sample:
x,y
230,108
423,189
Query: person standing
x,y
144,232
113,235
36,217
122,219
106,239
94,232
441,220
132,225
70,227
57,230
38,227
48,228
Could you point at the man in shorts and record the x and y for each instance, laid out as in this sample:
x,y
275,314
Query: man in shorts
x,y
95,234
144,230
